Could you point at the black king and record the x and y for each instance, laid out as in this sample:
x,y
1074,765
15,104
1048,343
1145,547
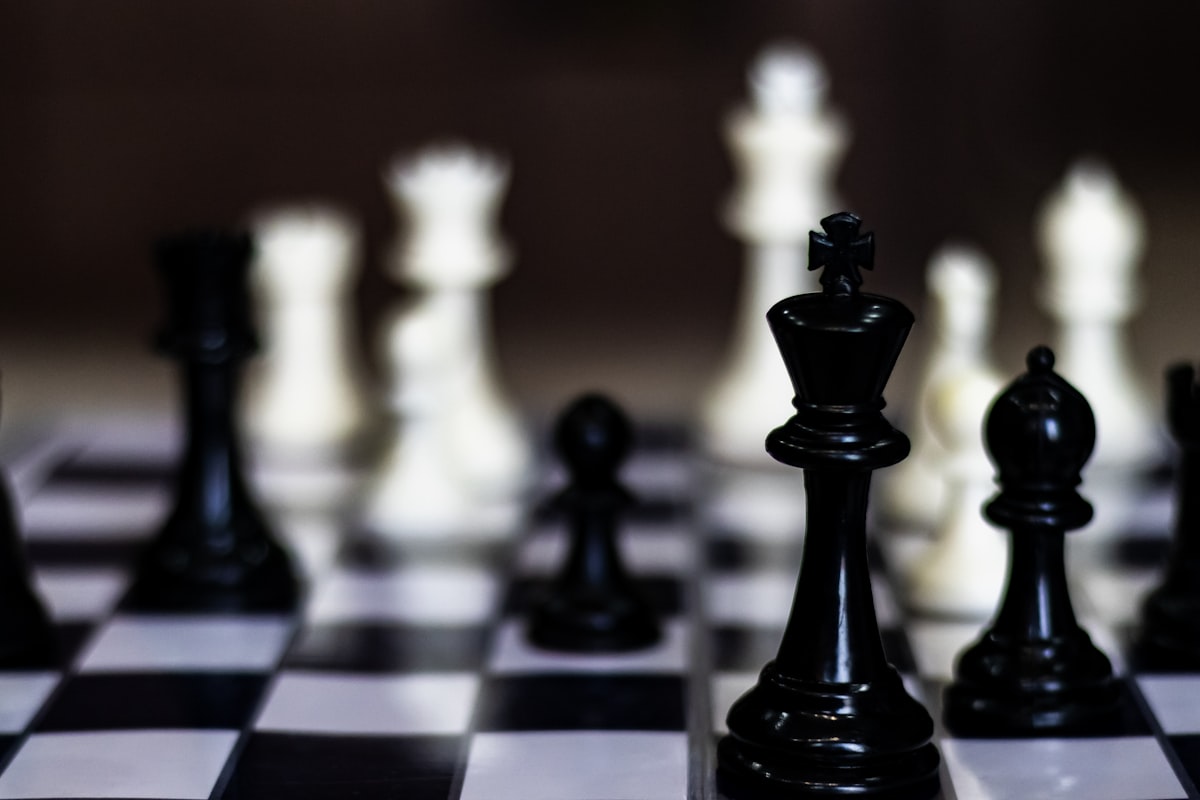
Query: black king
x,y
829,716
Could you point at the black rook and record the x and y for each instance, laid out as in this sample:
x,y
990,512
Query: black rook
x,y
215,551
830,716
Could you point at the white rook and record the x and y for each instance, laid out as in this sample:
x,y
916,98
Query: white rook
x,y
308,398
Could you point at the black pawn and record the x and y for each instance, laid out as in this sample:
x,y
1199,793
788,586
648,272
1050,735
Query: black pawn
x,y
830,717
27,639
1170,634
1035,671
215,551
593,605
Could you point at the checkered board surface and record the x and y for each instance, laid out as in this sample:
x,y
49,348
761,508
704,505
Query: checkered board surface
x,y
407,675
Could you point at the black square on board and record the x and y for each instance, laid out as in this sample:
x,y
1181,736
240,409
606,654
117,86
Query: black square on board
x,y
578,702
664,594
288,766
154,700
374,647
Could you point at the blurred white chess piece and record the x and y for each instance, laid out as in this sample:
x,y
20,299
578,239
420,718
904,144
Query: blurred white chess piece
x,y
308,399
418,490
1091,236
451,253
961,286
785,147
963,572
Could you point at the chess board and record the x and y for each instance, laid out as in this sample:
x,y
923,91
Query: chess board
x,y
407,675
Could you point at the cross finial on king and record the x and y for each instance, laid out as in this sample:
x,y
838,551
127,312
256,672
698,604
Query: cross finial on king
x,y
841,251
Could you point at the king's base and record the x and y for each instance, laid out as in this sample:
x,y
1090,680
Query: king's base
x,y
746,772
791,736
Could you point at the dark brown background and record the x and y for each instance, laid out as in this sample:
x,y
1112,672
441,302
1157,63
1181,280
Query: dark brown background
x,y
120,120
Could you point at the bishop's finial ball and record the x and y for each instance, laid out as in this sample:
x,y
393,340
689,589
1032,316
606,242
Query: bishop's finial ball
x,y
1040,360
593,437
1040,432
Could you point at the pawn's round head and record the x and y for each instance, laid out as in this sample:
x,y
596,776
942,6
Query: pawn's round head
x,y
593,437
1041,430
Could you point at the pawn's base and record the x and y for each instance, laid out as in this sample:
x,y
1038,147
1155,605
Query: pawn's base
x,y
1041,688
257,578
583,621
793,737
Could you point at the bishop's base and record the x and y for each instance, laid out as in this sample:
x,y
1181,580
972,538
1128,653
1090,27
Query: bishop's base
x,y
1051,687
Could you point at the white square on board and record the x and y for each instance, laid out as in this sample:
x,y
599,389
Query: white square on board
x,y
413,704
158,765
1126,768
425,596
192,643
577,765
21,695
1175,701
79,593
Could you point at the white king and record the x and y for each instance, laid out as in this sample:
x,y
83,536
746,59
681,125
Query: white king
x,y
784,146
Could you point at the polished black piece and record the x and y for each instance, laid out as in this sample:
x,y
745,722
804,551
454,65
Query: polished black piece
x,y
830,716
215,552
593,605
1035,671
27,639
1170,634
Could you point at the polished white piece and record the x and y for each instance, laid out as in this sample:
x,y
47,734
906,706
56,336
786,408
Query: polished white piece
x,y
308,395
961,285
785,147
962,574
1091,237
451,253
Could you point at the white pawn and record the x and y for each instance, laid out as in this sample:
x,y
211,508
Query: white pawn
x,y
308,400
961,285
1091,238
451,252
962,574
418,491
785,147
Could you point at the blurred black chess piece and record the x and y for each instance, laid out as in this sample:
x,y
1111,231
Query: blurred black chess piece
x,y
215,552
830,717
1035,671
1170,630
593,605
